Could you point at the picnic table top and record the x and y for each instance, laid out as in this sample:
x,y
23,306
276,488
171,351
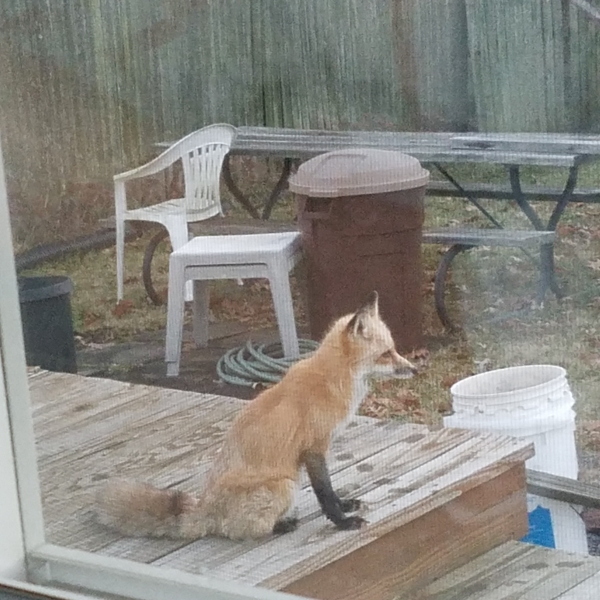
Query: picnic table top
x,y
536,149
558,150
88,429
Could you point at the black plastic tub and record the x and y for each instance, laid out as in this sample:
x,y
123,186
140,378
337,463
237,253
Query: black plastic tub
x,y
48,322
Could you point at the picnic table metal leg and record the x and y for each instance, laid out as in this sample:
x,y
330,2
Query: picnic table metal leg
x,y
565,198
274,196
439,285
547,267
153,244
548,276
548,272
235,190
280,186
464,194
514,174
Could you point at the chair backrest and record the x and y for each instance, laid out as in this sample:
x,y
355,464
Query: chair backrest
x,y
202,154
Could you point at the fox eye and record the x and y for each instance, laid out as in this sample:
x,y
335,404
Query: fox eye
x,y
387,354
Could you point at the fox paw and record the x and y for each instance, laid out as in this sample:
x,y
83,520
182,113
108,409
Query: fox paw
x,y
350,504
351,523
285,526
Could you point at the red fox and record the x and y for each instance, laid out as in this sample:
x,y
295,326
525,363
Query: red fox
x,y
249,492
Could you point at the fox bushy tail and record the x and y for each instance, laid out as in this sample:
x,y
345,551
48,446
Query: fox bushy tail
x,y
142,510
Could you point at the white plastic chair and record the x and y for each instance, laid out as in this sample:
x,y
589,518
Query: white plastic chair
x,y
202,153
269,255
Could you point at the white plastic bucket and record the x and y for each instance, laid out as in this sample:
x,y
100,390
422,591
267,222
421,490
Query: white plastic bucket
x,y
532,402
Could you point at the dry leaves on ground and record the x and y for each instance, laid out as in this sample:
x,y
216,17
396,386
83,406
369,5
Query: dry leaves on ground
x,y
123,308
401,403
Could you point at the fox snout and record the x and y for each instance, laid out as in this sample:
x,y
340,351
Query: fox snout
x,y
390,363
404,369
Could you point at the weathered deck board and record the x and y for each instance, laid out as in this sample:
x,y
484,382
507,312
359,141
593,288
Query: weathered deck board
x,y
85,413
357,443
414,492
168,435
55,395
355,478
412,556
164,436
168,453
516,570
89,429
588,588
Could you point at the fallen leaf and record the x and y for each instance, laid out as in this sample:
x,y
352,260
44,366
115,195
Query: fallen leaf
x,y
590,358
450,380
566,229
408,400
89,318
591,426
444,407
122,308
384,407
419,354
419,416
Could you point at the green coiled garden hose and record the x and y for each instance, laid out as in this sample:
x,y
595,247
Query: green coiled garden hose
x,y
252,365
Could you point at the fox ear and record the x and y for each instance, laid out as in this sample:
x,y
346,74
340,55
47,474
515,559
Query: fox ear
x,y
370,309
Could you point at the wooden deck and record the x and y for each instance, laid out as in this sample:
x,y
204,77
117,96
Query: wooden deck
x,y
434,499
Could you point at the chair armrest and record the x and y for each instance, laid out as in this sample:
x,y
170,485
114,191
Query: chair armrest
x,y
223,135
161,162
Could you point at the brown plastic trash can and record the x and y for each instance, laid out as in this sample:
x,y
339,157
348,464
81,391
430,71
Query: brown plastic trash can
x,y
360,213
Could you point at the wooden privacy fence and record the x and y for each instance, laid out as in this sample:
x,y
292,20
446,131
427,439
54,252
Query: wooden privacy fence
x,y
88,85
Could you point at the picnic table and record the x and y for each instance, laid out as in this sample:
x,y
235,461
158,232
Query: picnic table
x,y
441,151
513,150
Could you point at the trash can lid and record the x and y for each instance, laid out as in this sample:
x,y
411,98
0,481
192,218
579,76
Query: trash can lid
x,y
357,171
35,288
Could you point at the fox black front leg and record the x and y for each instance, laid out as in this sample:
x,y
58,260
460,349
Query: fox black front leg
x,y
330,502
349,504
286,525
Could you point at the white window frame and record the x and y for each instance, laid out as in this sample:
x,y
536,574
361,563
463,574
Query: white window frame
x,y
24,553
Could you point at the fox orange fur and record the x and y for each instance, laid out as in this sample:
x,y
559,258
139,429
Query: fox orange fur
x,y
249,492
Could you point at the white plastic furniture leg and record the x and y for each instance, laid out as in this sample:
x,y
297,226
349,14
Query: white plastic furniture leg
x,y
284,310
175,313
200,314
204,258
